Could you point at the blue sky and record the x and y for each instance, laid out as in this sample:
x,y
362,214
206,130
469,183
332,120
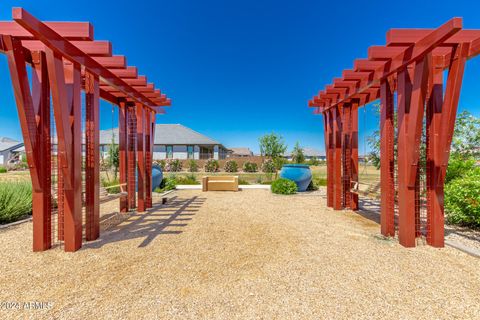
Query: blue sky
x,y
236,70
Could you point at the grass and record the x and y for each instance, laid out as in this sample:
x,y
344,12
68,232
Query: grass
x,y
15,201
107,184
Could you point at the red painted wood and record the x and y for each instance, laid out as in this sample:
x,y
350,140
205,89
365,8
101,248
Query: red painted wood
x,y
387,161
354,152
148,160
122,146
337,159
328,153
92,170
435,204
140,112
131,155
63,47
42,200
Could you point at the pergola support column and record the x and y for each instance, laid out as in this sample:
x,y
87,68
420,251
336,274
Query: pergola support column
x,y
443,123
131,155
346,155
337,159
122,151
140,111
36,134
354,153
387,168
329,155
148,159
92,169
411,108
65,83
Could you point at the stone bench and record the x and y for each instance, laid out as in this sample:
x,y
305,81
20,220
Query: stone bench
x,y
220,183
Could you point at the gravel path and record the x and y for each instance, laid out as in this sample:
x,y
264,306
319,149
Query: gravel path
x,y
243,255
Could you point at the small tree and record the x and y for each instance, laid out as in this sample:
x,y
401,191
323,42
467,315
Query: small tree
x,y
297,154
114,157
272,146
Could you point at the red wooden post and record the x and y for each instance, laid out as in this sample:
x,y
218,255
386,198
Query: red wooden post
x,y
337,159
73,196
122,147
66,89
148,160
387,161
435,209
354,152
140,111
92,170
346,154
441,149
36,134
329,155
410,120
406,195
42,201
132,156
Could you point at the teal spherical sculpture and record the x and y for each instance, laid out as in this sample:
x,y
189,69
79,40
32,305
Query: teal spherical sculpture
x,y
298,173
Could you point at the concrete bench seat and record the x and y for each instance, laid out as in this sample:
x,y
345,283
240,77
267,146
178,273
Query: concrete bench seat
x,y
220,183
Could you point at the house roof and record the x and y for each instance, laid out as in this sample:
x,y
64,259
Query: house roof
x,y
173,134
242,151
7,143
309,152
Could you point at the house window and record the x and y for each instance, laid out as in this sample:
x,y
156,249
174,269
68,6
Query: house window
x,y
190,152
169,152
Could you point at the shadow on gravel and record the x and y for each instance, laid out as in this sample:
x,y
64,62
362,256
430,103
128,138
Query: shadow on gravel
x,y
148,225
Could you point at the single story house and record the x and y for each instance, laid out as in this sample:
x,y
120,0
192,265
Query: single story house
x,y
239,152
174,141
9,149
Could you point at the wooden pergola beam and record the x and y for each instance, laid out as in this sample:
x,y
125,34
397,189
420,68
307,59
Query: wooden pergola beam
x,y
63,47
80,31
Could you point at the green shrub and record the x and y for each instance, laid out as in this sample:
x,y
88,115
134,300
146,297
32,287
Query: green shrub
x,y
15,201
321,182
231,166
313,161
211,165
189,179
107,184
284,186
3,169
161,163
250,167
298,156
243,181
268,166
279,162
458,166
168,183
173,165
192,166
312,186
462,200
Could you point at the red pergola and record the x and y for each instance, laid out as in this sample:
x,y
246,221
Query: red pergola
x,y
65,59
411,64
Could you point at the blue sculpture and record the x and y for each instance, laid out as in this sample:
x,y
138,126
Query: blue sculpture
x,y
298,173
157,177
